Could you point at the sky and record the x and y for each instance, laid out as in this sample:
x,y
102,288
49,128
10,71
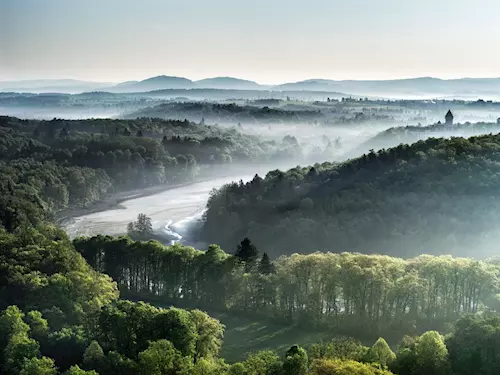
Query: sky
x,y
269,41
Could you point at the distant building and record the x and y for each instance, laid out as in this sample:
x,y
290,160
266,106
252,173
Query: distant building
x,y
449,118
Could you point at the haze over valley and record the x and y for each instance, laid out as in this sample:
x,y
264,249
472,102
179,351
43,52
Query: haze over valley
x,y
249,188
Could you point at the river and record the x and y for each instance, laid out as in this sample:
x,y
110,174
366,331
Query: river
x,y
174,212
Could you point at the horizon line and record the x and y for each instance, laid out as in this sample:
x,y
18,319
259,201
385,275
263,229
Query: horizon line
x,y
74,78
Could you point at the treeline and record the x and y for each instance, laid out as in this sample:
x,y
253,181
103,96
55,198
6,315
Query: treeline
x,y
432,196
351,293
413,133
59,316
47,166
226,113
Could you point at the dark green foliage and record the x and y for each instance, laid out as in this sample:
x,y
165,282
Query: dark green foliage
x,y
474,346
296,361
438,195
247,253
265,266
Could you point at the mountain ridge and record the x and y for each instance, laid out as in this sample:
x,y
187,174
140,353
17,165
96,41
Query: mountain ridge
x,y
419,87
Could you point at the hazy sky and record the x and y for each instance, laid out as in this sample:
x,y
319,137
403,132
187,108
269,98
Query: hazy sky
x,y
269,41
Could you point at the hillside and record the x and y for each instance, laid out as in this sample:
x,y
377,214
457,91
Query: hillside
x,y
153,83
435,196
412,87
48,166
410,134
225,113
228,83
421,87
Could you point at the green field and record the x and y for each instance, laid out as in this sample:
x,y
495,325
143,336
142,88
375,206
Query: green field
x,y
243,336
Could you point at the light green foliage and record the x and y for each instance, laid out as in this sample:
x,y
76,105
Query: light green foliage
x,y
354,292
16,345
39,327
338,348
344,367
426,354
161,358
432,354
237,369
41,268
93,357
19,349
75,370
209,333
380,353
264,362
38,366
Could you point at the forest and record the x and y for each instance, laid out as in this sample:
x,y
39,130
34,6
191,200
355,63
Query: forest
x,y
61,316
73,307
413,133
48,166
434,196
227,113
348,292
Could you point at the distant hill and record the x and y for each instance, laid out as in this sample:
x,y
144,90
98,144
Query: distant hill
x,y
412,87
415,88
228,83
154,83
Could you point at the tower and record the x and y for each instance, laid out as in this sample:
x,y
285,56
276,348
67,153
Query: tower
x,y
449,118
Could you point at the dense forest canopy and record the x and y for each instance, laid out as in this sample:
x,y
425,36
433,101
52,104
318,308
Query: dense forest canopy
x,y
435,196
46,166
60,306
354,293
60,316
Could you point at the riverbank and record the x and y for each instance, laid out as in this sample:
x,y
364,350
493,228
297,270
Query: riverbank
x,y
114,200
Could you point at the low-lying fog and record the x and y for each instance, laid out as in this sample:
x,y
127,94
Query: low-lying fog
x,y
174,212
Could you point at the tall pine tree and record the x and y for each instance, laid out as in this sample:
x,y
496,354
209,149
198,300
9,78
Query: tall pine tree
x,y
265,265
247,253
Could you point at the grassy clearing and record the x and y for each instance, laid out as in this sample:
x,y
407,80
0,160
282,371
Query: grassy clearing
x,y
243,336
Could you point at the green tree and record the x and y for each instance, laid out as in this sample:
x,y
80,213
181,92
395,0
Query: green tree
x,y
247,253
296,362
161,358
75,370
143,226
344,367
93,357
266,267
381,353
431,354
474,346
38,366
264,362
39,327
426,354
